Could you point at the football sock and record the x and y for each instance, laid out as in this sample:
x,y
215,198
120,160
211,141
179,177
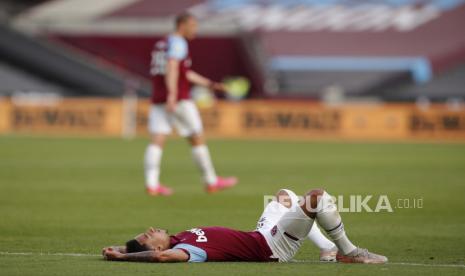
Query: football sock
x,y
152,160
202,158
320,240
330,220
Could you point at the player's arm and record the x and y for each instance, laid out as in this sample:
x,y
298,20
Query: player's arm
x,y
198,79
171,81
166,256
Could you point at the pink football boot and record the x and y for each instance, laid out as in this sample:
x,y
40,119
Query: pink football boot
x,y
160,190
222,183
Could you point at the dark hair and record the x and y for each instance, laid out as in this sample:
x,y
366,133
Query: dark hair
x,y
133,246
182,18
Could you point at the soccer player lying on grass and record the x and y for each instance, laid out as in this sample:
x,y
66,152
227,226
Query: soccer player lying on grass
x,y
284,225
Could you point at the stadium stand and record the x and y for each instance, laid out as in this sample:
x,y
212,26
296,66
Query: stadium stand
x,y
10,8
394,50
15,80
447,86
66,72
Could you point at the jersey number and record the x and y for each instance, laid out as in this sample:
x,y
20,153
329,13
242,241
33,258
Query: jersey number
x,y
158,64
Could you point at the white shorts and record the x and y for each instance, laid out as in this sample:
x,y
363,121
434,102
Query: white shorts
x,y
284,229
186,119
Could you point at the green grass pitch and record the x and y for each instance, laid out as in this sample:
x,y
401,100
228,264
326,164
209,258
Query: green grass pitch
x,y
69,195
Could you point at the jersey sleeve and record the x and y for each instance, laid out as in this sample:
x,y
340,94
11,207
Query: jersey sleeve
x,y
177,48
196,255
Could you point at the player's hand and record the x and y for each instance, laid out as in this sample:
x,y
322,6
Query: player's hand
x,y
218,86
109,247
111,254
171,106
103,250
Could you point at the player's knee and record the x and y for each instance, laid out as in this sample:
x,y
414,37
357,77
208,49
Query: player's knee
x,y
310,204
284,198
196,140
158,140
314,197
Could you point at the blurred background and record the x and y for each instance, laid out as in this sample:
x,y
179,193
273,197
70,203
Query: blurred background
x,y
391,69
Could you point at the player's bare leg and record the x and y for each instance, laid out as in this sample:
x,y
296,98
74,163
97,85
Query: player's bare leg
x,y
152,161
328,249
320,206
202,158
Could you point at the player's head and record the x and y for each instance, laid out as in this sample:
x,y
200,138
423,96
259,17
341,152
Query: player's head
x,y
186,25
153,239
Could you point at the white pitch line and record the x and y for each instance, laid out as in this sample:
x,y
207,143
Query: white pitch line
x,y
394,263
296,261
433,265
49,254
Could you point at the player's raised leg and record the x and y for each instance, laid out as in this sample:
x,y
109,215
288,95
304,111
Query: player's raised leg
x,y
320,205
328,249
287,235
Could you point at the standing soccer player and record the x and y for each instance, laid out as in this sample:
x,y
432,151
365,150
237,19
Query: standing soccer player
x,y
172,107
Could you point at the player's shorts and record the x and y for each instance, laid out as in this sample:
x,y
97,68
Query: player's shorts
x,y
284,229
186,119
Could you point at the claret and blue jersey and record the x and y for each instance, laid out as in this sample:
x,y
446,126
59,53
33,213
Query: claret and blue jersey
x,y
222,244
171,47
